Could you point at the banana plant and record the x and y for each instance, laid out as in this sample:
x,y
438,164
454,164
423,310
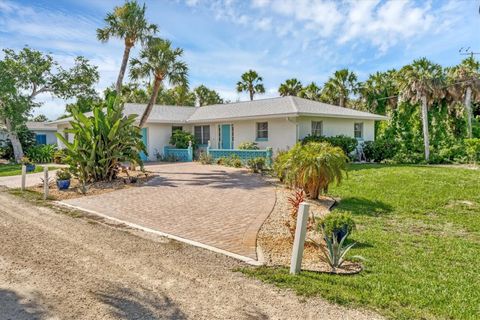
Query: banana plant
x,y
102,141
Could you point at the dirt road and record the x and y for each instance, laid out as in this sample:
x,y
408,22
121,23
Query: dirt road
x,y
55,266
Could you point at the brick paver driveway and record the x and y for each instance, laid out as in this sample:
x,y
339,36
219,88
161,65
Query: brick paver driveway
x,y
214,205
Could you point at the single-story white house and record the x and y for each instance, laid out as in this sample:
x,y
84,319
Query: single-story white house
x,y
44,132
277,123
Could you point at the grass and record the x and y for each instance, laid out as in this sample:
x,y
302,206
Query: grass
x,y
16,169
419,229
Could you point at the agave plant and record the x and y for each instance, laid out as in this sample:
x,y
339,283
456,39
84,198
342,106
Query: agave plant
x,y
102,142
334,252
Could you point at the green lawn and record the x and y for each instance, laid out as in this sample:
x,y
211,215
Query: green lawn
x,y
16,169
419,229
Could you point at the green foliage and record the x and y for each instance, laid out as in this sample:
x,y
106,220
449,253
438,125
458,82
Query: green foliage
x,y
205,158
63,174
59,156
334,252
180,139
347,144
26,161
312,167
27,140
207,96
231,161
280,164
379,150
41,153
248,146
256,164
337,221
252,83
291,87
473,149
102,142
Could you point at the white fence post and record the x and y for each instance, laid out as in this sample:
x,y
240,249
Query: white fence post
x,y
24,176
45,183
299,240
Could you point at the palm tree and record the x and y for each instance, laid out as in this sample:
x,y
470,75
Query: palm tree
x,y
126,22
421,82
311,92
464,81
339,87
378,94
158,60
290,87
251,82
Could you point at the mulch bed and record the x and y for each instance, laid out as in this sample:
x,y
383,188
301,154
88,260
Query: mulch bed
x,y
274,241
121,182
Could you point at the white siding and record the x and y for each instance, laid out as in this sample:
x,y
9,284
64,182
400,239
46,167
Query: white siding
x,y
336,126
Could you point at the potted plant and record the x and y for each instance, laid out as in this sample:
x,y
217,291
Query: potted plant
x,y
28,164
339,223
63,179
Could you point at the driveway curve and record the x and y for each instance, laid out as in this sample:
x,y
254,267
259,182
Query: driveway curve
x,y
217,206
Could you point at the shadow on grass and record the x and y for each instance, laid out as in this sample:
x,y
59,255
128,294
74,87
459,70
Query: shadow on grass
x,y
13,306
126,303
363,206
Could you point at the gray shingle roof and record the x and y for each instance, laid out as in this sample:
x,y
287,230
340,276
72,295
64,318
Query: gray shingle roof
x,y
264,108
40,126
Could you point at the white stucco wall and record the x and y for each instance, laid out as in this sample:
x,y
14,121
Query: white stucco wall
x,y
158,136
50,135
336,126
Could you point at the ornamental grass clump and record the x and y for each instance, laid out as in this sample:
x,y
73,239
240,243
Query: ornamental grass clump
x,y
312,167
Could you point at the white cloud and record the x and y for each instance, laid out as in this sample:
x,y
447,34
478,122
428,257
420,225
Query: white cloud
x,y
264,24
260,3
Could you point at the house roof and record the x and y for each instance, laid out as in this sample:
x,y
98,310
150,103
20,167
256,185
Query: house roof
x,y
257,109
40,126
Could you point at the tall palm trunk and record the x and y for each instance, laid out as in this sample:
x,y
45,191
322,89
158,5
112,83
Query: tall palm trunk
x,y
468,110
250,90
14,140
151,103
123,68
426,139
342,101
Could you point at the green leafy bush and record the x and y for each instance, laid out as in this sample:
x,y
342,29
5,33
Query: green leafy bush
x,y
338,223
180,139
248,146
231,161
59,156
63,174
312,167
256,164
379,150
41,153
205,158
347,144
102,141
334,251
280,164
472,147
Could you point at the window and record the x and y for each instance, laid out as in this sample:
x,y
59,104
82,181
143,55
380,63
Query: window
x,y
202,134
175,128
262,131
41,138
317,128
358,130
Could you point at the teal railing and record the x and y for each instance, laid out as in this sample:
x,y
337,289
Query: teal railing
x,y
183,155
243,155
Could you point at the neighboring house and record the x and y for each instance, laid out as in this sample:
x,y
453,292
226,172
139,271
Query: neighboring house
x,y
44,132
277,123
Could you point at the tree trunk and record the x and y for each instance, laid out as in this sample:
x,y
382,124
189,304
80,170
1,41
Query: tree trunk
x,y
342,101
14,140
468,110
251,94
121,74
151,103
426,139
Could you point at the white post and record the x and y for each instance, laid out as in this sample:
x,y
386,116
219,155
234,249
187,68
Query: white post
x,y
45,183
24,176
299,240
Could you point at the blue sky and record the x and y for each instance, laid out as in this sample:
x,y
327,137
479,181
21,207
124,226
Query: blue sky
x,y
306,39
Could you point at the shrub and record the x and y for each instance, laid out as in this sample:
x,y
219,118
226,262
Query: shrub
x,y
63,174
102,141
334,251
26,161
231,161
280,164
59,156
41,153
248,146
313,167
347,144
294,200
180,139
472,147
338,223
256,164
379,150
205,158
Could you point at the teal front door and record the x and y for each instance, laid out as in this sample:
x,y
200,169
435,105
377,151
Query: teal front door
x,y
144,132
226,136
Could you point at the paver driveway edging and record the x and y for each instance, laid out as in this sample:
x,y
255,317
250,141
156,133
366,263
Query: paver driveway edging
x,y
247,260
215,207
